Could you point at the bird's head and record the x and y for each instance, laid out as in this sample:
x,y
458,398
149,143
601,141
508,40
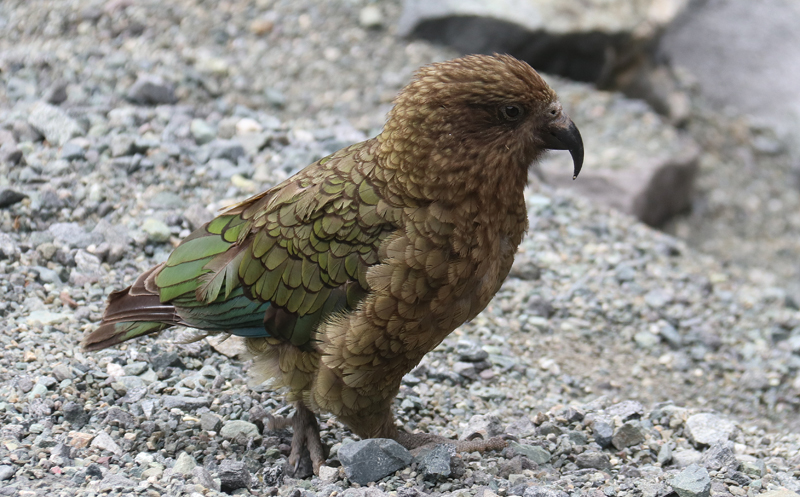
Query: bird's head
x,y
482,109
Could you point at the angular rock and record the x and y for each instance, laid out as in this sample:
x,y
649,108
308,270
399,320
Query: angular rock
x,y
594,460
157,231
233,475
53,123
210,421
372,459
626,410
104,441
185,464
707,42
720,456
118,417
6,472
630,433
151,90
434,464
647,167
75,414
709,429
8,247
542,491
535,453
603,431
10,197
237,428
692,482
182,402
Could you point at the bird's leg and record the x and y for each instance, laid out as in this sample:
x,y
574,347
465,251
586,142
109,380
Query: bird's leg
x,y
305,435
379,423
412,441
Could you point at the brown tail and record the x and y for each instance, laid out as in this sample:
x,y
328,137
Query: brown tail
x,y
133,312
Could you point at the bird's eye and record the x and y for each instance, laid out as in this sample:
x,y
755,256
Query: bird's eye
x,y
511,112
553,112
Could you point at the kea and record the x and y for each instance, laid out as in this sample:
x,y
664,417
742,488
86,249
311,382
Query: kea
x,y
345,275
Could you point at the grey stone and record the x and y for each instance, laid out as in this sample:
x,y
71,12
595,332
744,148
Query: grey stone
x,y
202,132
603,431
166,360
122,145
657,298
135,368
182,402
233,475
535,453
692,482
664,454
372,459
104,441
595,460
157,231
542,491
210,421
671,335
370,17
538,306
47,275
630,433
628,409
75,414
646,340
10,197
151,90
167,200
230,150
74,235
8,247
72,151
53,123
204,477
470,352
62,372
6,472
434,464
236,428
753,467
112,481
686,457
57,93
185,464
119,417
709,429
720,456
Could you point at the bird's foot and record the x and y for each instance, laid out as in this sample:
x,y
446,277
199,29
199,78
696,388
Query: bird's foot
x,y
308,453
415,442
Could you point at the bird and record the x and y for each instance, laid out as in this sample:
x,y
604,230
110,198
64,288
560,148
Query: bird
x,y
342,277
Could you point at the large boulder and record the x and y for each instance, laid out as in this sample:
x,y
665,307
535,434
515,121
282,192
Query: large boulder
x,y
635,160
744,55
605,42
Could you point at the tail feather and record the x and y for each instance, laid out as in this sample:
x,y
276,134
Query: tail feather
x,y
132,312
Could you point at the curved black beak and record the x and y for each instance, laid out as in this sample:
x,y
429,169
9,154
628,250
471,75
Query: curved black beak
x,y
564,135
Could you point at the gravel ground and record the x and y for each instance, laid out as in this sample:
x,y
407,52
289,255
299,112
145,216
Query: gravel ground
x,y
625,362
